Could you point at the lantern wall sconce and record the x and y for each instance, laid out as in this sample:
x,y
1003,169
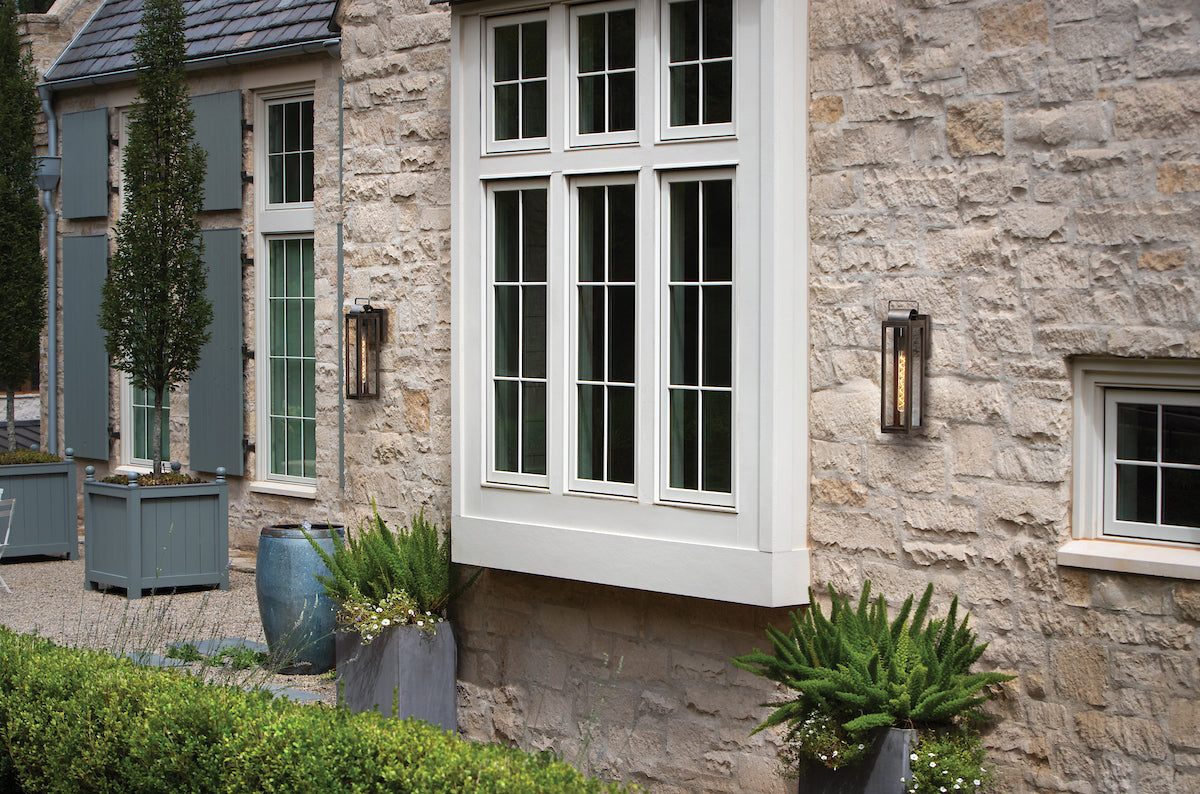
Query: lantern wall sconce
x,y
366,330
905,349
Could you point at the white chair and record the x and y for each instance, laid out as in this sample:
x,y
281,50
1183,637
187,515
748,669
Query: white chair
x,y
6,515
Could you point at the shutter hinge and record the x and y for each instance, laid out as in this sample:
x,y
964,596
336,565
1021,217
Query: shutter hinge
x,y
247,260
247,444
113,141
247,177
247,126
246,351
113,432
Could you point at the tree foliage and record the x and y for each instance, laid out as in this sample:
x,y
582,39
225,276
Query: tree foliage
x,y
22,267
154,309
867,672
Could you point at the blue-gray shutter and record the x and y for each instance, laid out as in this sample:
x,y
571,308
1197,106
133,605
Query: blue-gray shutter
x,y
215,393
219,133
85,363
85,164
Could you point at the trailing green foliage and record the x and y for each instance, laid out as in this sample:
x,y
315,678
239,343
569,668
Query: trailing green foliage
x,y
154,313
82,721
949,760
21,457
377,562
22,268
866,672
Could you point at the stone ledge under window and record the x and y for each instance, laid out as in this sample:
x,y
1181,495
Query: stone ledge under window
x,y
1121,556
284,489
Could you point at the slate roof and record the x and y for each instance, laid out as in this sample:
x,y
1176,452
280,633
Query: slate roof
x,y
213,28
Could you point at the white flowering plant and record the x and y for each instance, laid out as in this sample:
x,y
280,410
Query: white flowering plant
x,y
819,739
949,761
370,618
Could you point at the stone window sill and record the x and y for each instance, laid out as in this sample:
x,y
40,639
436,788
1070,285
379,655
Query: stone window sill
x,y
284,489
1121,556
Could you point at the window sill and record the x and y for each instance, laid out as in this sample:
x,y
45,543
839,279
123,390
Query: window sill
x,y
1148,559
129,468
284,489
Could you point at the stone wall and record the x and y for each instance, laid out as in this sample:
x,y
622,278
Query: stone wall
x,y
1028,172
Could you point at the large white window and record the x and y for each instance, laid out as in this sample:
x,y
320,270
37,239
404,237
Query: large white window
x,y
1136,467
286,328
615,285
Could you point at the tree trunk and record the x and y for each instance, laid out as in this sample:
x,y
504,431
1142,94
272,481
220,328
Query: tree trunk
x,y
11,405
156,442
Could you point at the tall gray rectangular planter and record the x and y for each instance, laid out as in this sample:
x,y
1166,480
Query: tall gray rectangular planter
x,y
46,516
881,772
416,671
157,537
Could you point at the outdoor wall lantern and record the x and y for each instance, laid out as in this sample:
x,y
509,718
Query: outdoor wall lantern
x,y
905,348
365,332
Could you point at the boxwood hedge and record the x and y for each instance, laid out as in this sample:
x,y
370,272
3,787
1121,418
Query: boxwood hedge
x,y
84,721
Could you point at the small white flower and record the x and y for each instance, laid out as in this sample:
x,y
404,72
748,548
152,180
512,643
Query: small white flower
x,y
932,765
420,624
978,783
378,609
387,622
912,757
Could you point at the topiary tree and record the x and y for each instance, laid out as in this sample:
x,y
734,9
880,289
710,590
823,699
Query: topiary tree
x,y
154,310
22,268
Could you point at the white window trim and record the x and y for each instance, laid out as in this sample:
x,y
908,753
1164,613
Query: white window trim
x,y
488,127
578,138
756,554
1090,547
272,222
741,16
128,460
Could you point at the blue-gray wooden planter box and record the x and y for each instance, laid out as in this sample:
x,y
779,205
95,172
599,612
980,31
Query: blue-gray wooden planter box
x,y
153,538
402,666
46,516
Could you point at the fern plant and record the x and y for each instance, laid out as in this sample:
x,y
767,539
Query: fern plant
x,y
862,671
377,563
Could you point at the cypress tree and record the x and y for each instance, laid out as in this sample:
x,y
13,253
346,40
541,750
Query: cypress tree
x,y
22,268
154,311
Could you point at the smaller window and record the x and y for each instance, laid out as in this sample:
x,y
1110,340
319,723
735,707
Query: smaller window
x,y
1152,464
700,67
139,419
604,53
290,152
518,82
292,361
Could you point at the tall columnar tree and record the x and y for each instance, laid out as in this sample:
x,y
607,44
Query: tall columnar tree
x,y
22,267
154,312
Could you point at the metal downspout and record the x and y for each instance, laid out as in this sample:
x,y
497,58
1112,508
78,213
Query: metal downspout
x,y
341,273
51,280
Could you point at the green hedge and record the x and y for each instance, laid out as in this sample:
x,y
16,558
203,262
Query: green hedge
x,y
84,721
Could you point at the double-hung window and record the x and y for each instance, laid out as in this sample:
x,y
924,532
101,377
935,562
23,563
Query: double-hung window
x,y
613,283
286,362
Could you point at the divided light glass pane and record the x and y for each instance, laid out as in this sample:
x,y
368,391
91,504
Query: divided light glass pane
x,y
1137,431
533,332
309,408
291,178
718,442
591,432
291,249
620,434
306,176
295,448
685,31
141,432
306,125
507,110
275,308
278,267
293,327
507,61
685,347
718,92
685,95
533,109
310,342
275,129
622,39
1180,506
506,425
1181,435
718,336
1137,493
278,386
508,236
622,233
718,28
591,234
534,248
591,333
718,230
533,49
591,104
275,178
622,100
533,428
508,338
591,43
291,127
310,448
685,217
307,281
278,445
295,387
685,438
622,340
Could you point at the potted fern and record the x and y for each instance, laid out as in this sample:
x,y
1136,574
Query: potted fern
x,y
395,650
870,695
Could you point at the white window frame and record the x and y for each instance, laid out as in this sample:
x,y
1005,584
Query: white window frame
x,y
1090,547
600,138
753,550
129,460
488,130
701,130
272,222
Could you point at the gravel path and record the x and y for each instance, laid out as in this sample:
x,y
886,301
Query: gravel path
x,y
48,598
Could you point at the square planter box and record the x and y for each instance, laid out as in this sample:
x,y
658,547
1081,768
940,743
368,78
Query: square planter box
x,y
401,666
157,537
46,516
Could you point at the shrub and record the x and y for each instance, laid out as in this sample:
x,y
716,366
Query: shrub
x,y
77,720
19,457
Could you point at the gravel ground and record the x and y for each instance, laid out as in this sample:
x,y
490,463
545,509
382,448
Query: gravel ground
x,y
48,598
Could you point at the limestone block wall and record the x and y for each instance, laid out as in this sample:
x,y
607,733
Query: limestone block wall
x,y
1028,171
